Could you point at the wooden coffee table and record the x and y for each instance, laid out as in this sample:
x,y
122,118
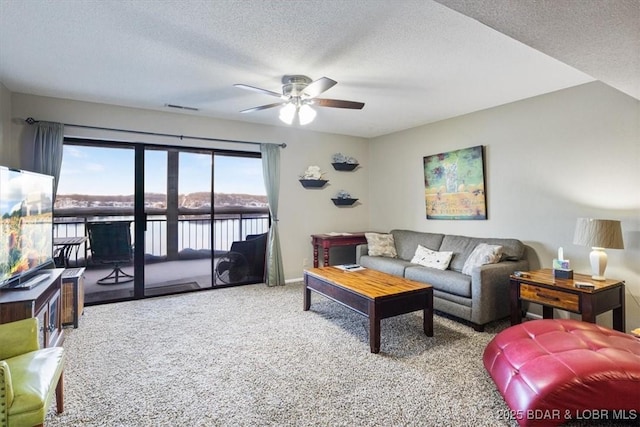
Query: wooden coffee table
x,y
371,293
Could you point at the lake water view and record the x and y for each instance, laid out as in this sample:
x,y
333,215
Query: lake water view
x,y
193,234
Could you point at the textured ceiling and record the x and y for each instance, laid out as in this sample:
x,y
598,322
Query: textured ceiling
x,y
599,37
410,61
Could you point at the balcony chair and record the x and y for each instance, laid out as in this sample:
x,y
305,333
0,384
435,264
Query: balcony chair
x,y
61,256
110,243
29,376
245,260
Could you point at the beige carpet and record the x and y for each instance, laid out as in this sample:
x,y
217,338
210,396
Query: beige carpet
x,y
250,356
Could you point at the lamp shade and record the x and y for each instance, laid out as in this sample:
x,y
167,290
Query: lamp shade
x,y
598,233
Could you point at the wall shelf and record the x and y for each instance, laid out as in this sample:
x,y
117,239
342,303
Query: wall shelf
x,y
344,202
313,183
344,166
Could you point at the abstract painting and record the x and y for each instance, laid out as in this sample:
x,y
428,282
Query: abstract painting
x,y
454,184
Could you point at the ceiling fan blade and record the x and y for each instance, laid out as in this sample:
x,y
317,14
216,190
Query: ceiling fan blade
x,y
315,88
338,103
262,107
257,89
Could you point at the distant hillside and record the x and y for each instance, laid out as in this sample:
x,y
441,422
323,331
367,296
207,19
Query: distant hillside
x,y
191,200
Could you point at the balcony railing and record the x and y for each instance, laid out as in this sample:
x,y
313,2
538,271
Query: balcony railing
x,y
194,232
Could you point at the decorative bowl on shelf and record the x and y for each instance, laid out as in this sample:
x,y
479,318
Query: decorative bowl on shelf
x,y
344,166
344,202
313,183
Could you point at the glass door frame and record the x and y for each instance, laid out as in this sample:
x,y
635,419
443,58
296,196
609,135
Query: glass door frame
x,y
139,222
139,215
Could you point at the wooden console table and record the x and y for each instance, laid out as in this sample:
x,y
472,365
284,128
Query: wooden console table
x,y
42,301
326,241
541,287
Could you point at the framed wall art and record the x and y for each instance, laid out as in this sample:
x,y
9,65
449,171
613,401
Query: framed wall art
x,y
454,184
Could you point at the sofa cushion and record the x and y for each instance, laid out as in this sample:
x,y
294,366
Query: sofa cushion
x,y
512,249
407,242
444,280
481,255
393,266
381,245
434,259
451,298
461,246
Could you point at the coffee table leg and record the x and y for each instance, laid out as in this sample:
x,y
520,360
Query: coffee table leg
x,y
306,301
427,322
374,328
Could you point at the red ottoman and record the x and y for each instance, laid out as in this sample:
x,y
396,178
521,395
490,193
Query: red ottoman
x,y
553,370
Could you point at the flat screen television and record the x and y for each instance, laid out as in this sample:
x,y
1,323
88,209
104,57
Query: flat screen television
x,y
26,233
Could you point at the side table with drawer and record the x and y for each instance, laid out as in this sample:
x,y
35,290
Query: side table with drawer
x,y
72,296
541,287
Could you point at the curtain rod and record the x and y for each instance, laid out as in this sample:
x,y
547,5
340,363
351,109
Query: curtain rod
x,y
31,121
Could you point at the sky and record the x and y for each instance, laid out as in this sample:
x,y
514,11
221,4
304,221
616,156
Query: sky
x,y
110,171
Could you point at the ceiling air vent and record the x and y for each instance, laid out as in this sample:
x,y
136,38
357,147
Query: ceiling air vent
x,y
181,107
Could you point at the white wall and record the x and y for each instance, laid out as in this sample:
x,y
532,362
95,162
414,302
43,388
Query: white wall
x,y
8,153
302,212
549,160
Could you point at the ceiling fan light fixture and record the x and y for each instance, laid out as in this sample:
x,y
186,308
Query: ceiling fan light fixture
x,y
306,114
299,94
288,113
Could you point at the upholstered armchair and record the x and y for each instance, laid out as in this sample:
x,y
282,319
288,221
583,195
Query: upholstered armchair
x,y
28,375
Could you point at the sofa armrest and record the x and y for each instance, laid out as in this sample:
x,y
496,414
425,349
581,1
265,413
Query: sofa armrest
x,y
18,337
6,391
490,290
361,250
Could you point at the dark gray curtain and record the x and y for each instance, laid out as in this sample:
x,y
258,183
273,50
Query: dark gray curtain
x,y
271,172
44,155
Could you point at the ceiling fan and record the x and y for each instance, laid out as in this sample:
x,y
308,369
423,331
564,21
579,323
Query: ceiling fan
x,y
298,95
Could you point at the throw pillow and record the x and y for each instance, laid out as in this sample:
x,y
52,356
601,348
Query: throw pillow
x,y
428,258
381,245
481,255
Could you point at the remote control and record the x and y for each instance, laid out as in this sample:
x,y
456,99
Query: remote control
x,y
584,285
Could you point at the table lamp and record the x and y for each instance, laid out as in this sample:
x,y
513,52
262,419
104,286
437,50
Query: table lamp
x,y
599,234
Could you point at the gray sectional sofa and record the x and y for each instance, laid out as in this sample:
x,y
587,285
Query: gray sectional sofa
x,y
479,298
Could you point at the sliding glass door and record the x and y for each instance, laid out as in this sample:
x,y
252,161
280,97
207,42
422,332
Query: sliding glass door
x,y
177,220
242,219
95,198
181,219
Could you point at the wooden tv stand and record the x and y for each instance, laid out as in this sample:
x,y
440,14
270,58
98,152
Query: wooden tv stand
x,y
42,301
